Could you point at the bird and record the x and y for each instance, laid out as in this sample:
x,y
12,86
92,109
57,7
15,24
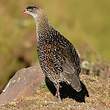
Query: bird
x,y
59,60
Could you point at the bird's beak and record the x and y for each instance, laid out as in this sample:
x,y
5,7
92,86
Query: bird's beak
x,y
25,12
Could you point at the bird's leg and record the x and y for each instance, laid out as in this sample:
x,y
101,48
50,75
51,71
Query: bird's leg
x,y
58,91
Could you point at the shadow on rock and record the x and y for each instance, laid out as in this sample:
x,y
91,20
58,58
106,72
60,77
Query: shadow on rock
x,y
68,91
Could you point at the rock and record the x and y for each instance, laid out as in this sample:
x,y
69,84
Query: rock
x,y
24,83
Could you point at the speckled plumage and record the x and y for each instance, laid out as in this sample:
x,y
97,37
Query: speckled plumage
x,y
58,57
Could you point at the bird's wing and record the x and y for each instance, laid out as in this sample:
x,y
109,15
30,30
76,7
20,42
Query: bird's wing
x,y
69,52
67,58
67,49
71,68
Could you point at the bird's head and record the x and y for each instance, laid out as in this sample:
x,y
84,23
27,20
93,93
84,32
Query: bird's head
x,y
37,13
34,11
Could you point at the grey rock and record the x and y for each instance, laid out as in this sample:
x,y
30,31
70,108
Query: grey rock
x,y
24,83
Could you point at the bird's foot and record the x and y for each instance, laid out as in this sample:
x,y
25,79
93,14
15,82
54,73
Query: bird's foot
x,y
58,97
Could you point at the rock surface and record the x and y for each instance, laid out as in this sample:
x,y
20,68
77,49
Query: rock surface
x,y
23,83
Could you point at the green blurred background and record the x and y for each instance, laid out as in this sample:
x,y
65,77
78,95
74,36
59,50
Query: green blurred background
x,y
86,23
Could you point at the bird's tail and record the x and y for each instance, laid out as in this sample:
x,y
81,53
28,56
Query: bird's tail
x,y
75,82
71,76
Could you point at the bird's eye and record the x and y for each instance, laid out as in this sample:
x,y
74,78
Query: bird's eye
x,y
30,10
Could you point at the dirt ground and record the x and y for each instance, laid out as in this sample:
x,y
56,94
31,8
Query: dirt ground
x,y
99,97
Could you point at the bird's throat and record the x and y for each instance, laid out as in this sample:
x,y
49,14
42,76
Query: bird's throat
x,y
42,28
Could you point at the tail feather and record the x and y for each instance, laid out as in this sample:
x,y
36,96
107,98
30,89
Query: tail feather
x,y
71,75
75,83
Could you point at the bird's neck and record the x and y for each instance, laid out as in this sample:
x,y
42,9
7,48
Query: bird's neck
x,y
42,27
43,24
